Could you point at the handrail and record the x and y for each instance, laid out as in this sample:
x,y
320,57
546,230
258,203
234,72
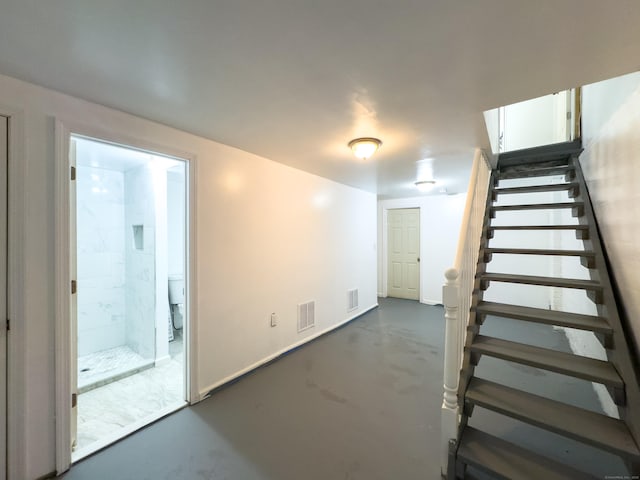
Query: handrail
x,y
471,190
456,297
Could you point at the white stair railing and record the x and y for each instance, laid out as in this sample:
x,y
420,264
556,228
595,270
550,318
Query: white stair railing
x,y
456,297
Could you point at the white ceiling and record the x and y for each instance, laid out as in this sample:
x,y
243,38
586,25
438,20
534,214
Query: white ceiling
x,y
295,80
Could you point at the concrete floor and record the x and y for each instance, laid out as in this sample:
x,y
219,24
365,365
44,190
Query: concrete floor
x,y
360,403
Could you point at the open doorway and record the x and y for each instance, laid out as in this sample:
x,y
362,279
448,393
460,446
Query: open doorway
x,y
128,231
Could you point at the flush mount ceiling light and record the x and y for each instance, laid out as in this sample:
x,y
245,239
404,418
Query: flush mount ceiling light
x,y
364,147
425,185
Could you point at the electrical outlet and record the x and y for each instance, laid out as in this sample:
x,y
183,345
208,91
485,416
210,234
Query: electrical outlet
x,y
274,320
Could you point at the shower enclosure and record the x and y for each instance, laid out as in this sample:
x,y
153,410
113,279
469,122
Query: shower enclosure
x,y
123,251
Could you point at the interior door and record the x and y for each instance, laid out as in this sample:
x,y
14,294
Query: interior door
x,y
403,237
3,296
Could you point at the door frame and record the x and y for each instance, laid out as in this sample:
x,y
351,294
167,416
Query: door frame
x,y
64,128
4,210
16,359
399,204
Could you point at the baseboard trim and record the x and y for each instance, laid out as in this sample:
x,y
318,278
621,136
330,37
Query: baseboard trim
x,y
431,302
213,388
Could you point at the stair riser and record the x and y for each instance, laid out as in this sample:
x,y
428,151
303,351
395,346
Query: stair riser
x,y
538,172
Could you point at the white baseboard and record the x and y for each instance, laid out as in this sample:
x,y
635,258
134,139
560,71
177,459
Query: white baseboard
x,y
431,302
203,393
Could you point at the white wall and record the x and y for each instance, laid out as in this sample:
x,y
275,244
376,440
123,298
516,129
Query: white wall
x,y
611,165
440,217
610,162
492,122
268,237
535,122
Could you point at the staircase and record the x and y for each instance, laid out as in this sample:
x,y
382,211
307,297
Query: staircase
x,y
477,452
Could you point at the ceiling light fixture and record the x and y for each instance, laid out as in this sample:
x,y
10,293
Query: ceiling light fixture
x,y
425,185
364,147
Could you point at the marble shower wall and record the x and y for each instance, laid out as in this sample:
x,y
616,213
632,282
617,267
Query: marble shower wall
x,y
140,270
176,219
101,259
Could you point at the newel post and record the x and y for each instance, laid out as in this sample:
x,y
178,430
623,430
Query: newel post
x,y
449,427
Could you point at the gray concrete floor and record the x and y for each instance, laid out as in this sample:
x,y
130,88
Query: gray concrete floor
x,y
360,403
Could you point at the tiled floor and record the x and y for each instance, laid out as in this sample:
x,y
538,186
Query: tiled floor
x,y
110,410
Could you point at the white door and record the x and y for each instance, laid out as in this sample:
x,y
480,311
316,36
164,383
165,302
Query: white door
x,y
3,296
403,236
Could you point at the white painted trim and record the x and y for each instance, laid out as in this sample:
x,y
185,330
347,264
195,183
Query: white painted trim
x,y
62,300
16,376
64,129
431,302
191,265
203,393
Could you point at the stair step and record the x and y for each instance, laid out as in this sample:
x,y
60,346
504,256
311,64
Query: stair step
x,y
565,363
554,187
592,428
545,281
539,227
530,171
547,317
509,461
537,251
554,154
581,231
537,206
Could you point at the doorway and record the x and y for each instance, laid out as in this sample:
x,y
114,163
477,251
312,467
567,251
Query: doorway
x,y
3,293
403,238
128,316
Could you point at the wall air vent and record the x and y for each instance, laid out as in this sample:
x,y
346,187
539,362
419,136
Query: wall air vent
x,y
306,315
352,300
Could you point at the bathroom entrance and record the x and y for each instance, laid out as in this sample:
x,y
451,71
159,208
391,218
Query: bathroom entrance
x,y
129,367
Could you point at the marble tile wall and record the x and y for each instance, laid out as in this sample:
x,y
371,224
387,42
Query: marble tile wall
x,y
140,271
176,219
101,259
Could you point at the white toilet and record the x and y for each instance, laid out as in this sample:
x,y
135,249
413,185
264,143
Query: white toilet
x,y
176,300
